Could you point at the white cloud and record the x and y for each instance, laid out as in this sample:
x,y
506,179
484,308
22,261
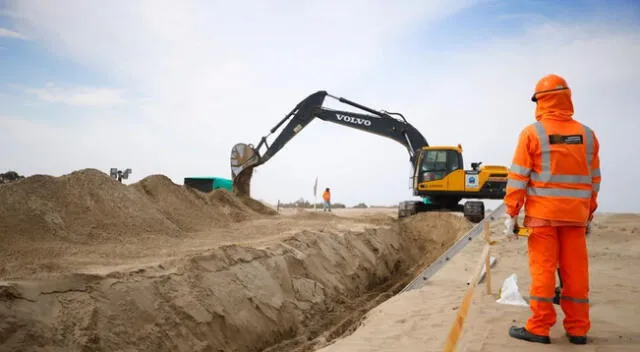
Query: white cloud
x,y
214,74
11,34
79,96
8,13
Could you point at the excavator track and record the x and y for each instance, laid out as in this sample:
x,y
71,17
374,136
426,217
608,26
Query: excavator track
x,y
473,211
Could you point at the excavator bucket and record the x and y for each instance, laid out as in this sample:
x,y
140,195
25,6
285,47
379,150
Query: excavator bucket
x,y
243,159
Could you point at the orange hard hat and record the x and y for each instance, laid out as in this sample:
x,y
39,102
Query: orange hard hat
x,y
549,83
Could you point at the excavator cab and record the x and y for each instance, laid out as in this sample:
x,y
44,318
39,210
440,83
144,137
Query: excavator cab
x,y
441,178
436,163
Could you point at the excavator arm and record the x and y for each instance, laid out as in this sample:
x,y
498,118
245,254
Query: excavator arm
x,y
244,158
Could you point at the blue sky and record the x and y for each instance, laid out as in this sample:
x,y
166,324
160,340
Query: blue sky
x,y
166,87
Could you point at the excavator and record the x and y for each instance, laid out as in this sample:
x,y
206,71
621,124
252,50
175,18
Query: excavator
x,y
438,174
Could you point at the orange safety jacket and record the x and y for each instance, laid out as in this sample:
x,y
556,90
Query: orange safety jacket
x,y
557,167
326,196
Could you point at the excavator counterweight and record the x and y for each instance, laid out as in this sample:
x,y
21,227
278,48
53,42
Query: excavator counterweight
x,y
438,174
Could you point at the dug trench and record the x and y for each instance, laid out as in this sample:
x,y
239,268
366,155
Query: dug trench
x,y
233,277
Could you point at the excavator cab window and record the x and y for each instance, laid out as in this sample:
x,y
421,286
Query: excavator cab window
x,y
436,164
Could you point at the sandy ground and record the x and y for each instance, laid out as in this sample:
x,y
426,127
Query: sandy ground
x,y
420,320
89,264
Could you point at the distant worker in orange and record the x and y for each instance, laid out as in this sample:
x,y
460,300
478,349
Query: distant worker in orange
x,y
555,175
326,196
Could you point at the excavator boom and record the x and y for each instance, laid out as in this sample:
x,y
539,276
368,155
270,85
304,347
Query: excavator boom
x,y
244,158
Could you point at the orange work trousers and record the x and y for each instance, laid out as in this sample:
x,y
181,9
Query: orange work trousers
x,y
566,247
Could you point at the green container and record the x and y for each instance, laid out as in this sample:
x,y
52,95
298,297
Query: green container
x,y
223,183
208,184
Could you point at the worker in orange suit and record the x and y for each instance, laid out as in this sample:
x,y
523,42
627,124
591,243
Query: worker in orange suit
x,y
555,175
326,197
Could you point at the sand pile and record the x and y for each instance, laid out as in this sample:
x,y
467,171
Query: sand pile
x,y
89,206
259,206
85,206
43,217
193,210
303,290
443,229
242,206
176,203
189,209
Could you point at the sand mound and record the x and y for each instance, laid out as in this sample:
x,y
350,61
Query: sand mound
x,y
434,230
88,206
84,206
187,208
379,219
303,291
43,216
232,204
258,206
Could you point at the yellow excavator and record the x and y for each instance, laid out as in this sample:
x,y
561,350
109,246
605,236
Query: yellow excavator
x,y
438,174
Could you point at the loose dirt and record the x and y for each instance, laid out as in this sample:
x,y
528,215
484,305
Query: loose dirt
x,y
90,264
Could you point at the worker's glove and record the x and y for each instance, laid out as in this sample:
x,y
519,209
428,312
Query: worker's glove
x,y
509,225
588,231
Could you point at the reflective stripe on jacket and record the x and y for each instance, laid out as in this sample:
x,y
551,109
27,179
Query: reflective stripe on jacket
x,y
556,168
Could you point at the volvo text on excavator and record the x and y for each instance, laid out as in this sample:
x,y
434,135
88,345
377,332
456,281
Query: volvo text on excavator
x,y
438,174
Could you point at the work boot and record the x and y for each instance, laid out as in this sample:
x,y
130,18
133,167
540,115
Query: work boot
x,y
523,334
577,340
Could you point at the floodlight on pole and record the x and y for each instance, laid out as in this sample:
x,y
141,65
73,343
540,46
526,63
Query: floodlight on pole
x,y
119,174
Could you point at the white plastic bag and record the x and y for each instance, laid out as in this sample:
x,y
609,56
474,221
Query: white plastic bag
x,y
510,294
